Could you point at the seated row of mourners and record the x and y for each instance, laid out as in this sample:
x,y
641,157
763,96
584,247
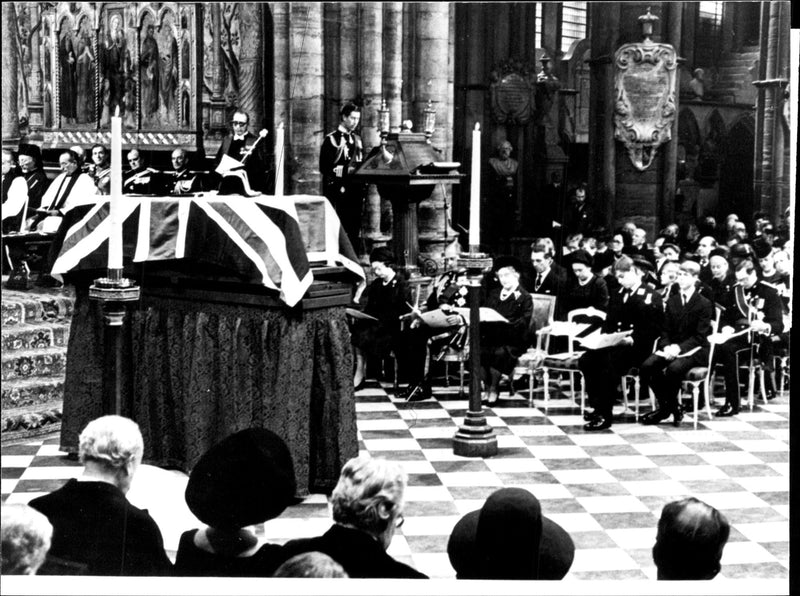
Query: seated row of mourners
x,y
89,527
33,202
667,317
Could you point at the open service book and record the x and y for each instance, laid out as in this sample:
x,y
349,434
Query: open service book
x,y
597,340
438,317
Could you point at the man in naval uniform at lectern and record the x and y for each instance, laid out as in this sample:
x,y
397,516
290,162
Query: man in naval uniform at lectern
x,y
339,156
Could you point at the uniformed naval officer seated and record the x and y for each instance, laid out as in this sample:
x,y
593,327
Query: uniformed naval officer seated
x,y
757,307
634,306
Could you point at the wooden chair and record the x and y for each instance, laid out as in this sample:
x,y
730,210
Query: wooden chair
x,y
544,308
568,361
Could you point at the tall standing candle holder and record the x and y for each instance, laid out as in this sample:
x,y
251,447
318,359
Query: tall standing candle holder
x,y
113,291
475,438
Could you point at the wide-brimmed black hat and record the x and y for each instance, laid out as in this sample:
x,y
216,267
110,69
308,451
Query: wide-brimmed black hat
x,y
508,261
245,479
509,538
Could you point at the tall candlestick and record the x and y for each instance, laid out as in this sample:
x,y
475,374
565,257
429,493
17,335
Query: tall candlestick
x,y
115,239
475,192
279,161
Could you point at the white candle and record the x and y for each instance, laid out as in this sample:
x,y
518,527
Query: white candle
x,y
279,161
475,192
115,239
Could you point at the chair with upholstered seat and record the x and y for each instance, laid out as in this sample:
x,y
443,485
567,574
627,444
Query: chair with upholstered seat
x,y
544,308
567,362
703,376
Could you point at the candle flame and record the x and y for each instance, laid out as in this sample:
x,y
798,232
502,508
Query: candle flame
x,y
116,112
280,126
477,126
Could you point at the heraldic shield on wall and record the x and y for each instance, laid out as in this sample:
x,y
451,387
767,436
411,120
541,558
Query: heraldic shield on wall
x,y
644,85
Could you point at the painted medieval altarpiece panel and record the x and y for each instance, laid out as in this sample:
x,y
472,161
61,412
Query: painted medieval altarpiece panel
x,y
97,59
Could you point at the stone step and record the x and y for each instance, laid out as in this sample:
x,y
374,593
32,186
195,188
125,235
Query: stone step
x,y
23,423
32,393
31,336
40,304
47,362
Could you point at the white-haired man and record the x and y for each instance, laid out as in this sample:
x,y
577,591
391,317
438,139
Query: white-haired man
x,y
94,524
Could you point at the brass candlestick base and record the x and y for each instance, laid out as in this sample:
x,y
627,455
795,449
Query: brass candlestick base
x,y
113,292
475,438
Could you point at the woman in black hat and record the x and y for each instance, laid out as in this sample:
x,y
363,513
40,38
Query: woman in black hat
x,y
509,538
246,479
503,343
388,297
585,289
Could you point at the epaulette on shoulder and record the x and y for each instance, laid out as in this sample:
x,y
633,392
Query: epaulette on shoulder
x,y
770,285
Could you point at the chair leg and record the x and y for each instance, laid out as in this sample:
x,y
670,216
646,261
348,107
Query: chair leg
x,y
762,385
572,386
461,379
530,389
583,392
623,385
546,384
709,389
446,373
783,374
751,382
695,402
546,387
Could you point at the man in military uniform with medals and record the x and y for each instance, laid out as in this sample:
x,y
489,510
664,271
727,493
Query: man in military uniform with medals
x,y
635,306
756,308
339,156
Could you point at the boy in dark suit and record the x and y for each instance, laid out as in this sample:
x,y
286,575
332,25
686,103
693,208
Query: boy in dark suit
x,y
682,346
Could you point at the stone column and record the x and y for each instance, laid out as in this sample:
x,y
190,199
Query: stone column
x,y
35,106
371,49
431,70
348,56
217,70
251,58
602,150
282,77
217,120
392,87
772,87
10,126
393,60
672,20
305,95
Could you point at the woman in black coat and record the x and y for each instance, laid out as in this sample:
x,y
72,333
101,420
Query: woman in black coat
x,y
388,297
503,343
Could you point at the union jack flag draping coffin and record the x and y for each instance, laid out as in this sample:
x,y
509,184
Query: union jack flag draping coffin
x,y
258,238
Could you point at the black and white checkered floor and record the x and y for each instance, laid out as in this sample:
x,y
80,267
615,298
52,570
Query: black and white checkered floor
x,y
605,488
